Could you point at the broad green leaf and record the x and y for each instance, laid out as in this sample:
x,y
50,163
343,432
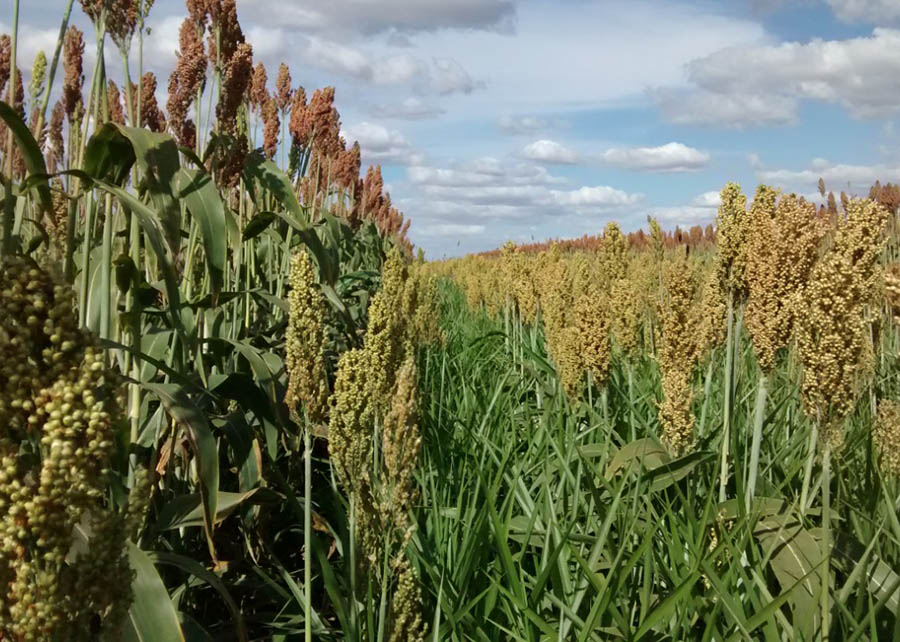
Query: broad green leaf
x,y
796,559
203,443
157,157
152,616
187,510
205,205
663,476
31,154
150,224
644,453
196,569
277,183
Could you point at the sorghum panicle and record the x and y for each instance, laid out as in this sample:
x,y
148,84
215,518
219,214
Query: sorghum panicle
x,y
677,357
305,344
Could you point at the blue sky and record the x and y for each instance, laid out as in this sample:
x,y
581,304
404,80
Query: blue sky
x,y
531,119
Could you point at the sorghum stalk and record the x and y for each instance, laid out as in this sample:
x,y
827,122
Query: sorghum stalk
x,y
826,541
759,415
9,211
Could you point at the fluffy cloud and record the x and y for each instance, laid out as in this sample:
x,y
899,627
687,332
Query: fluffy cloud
x,y
684,216
369,17
485,171
707,199
410,109
672,157
440,76
764,85
548,151
488,188
379,144
451,229
837,176
601,197
520,124
873,11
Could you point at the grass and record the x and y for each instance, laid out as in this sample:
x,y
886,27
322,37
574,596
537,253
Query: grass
x,y
543,520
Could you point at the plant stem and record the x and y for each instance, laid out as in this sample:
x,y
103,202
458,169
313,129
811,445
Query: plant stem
x,y
307,528
826,541
759,416
726,412
807,471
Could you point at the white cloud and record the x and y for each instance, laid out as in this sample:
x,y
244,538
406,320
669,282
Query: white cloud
x,y
671,157
601,197
764,85
855,179
684,216
521,124
410,109
485,171
448,77
707,199
379,144
548,151
335,57
368,17
873,11
451,229
492,189
440,76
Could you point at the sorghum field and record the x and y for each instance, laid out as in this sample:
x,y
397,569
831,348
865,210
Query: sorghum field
x,y
234,406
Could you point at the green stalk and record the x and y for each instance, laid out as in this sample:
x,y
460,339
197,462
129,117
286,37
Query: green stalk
x,y
759,415
826,541
726,412
707,386
88,217
106,269
9,210
807,470
307,536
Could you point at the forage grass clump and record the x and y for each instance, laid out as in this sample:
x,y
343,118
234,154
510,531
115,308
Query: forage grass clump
x,y
305,344
677,347
57,432
887,437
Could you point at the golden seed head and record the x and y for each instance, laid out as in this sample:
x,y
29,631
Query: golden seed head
x,y
887,437
833,317
38,75
677,346
732,231
305,344
592,323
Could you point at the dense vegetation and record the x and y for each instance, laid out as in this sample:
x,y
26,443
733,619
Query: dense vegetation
x,y
232,406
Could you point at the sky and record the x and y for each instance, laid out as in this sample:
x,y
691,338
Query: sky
x,y
525,120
